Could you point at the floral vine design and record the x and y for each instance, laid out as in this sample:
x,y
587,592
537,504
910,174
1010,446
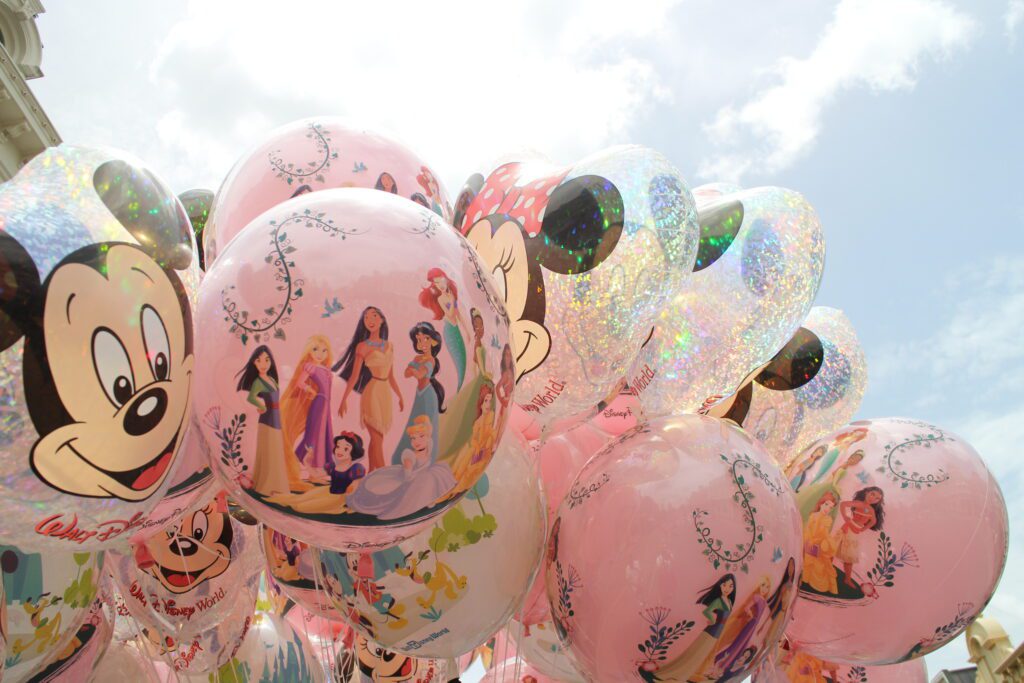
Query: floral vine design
x,y
271,321
857,674
892,466
964,617
230,438
311,169
580,492
568,583
714,548
662,636
886,564
429,227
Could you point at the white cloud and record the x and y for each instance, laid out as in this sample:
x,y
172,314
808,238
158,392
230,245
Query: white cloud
x,y
873,44
463,86
1012,19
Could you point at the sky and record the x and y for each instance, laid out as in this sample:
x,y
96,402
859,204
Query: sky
x,y
899,120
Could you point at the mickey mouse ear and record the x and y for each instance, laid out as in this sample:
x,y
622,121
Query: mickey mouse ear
x,y
148,210
582,224
197,205
796,364
720,221
469,192
19,286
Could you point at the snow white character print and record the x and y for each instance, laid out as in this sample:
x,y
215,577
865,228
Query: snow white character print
x,y
107,364
366,367
565,227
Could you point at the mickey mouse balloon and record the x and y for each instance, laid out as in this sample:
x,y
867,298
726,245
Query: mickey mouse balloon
x,y
342,405
585,257
98,279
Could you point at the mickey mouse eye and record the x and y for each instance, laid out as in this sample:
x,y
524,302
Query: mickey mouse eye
x,y
158,346
377,652
200,523
388,656
113,368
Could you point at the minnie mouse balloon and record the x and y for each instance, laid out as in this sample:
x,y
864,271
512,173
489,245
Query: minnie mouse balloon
x,y
178,581
311,155
585,257
905,537
756,274
811,387
99,270
680,541
47,597
356,373
789,666
446,590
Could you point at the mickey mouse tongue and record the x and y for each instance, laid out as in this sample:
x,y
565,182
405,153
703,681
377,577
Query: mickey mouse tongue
x,y
178,579
152,473
406,667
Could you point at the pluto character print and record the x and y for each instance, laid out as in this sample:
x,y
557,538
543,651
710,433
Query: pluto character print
x,y
98,273
339,409
584,257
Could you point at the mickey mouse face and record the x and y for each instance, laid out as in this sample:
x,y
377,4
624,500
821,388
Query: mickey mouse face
x,y
384,666
107,364
197,551
518,228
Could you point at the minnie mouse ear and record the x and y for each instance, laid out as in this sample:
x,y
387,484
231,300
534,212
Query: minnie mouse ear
x,y
148,210
19,291
720,221
469,192
582,224
796,364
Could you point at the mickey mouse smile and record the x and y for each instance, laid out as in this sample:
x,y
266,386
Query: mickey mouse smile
x,y
140,478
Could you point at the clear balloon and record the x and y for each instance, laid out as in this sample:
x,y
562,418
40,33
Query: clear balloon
x,y
312,155
794,666
585,256
756,274
272,651
47,598
519,671
446,590
178,582
905,537
96,357
124,662
811,387
375,664
77,660
680,541
354,350
291,563
538,645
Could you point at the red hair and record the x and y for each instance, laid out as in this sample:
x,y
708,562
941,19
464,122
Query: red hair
x,y
827,494
430,294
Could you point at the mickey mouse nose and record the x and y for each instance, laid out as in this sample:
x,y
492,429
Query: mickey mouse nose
x,y
146,412
185,547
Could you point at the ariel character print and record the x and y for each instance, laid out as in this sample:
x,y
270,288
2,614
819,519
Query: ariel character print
x,y
306,414
441,297
346,470
366,367
259,378
401,490
429,399
718,600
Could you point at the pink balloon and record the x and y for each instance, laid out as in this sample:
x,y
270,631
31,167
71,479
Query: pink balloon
x,y
317,154
619,415
681,542
516,671
905,537
523,423
559,459
349,380
786,666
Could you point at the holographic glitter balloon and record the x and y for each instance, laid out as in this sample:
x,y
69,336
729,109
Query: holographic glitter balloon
x,y
197,205
585,257
97,261
316,154
756,274
811,387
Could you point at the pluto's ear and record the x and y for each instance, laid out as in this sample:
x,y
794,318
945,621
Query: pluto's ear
x,y
469,192
795,365
720,221
21,302
582,224
148,210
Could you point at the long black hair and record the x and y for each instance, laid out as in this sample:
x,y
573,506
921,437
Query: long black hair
x,y
249,373
878,508
427,329
714,591
348,359
353,440
775,601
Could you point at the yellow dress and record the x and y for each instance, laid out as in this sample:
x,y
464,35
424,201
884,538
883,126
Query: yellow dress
x,y
819,572
375,406
804,669
472,460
